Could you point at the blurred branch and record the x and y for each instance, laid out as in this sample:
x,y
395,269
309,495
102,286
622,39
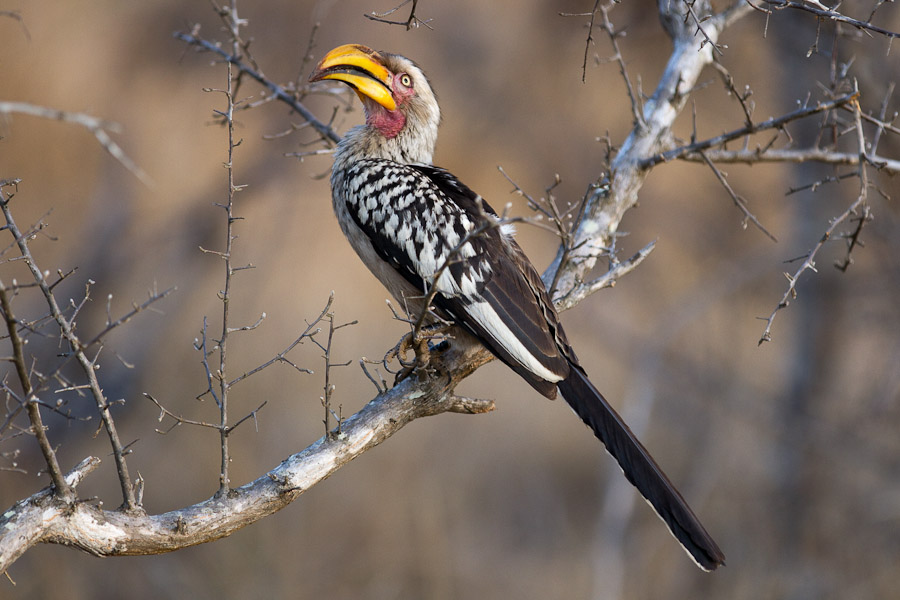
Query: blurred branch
x,y
96,126
14,14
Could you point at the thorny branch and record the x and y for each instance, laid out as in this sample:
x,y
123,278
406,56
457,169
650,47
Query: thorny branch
x,y
77,348
332,430
233,23
619,59
28,399
739,201
809,261
311,330
278,91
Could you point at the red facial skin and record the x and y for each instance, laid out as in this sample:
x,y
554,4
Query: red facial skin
x,y
390,122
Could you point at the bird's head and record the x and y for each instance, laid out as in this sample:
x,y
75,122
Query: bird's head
x,y
402,113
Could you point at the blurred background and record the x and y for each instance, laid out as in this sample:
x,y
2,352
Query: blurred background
x,y
788,451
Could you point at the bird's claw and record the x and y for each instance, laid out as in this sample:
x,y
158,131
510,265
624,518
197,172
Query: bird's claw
x,y
420,342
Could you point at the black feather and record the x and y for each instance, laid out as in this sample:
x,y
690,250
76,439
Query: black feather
x,y
640,468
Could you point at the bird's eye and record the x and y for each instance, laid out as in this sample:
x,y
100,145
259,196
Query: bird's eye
x,y
405,80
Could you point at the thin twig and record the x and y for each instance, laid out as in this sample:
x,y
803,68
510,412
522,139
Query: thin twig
x,y
409,23
282,356
774,123
740,202
88,366
809,261
31,406
823,11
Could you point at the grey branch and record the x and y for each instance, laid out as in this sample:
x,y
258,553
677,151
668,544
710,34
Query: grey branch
x,y
775,123
96,126
605,206
118,533
809,261
822,11
797,155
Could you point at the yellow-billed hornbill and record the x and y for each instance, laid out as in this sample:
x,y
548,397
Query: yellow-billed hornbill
x,y
405,218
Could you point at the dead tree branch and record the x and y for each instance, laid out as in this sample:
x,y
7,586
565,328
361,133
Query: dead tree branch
x,y
115,533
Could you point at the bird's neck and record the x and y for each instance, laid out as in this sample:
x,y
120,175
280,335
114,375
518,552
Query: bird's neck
x,y
412,144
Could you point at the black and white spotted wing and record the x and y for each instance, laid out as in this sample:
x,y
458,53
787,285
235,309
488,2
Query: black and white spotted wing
x,y
417,218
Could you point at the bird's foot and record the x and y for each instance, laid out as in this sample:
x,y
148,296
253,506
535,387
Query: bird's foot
x,y
426,341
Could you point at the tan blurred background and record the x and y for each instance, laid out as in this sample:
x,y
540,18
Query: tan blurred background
x,y
789,452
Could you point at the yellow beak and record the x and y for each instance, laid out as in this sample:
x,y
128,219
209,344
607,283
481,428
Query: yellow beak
x,y
362,69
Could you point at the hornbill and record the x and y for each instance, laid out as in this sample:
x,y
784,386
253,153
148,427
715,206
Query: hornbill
x,y
412,222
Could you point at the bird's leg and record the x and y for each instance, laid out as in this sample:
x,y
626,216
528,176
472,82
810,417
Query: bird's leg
x,y
420,341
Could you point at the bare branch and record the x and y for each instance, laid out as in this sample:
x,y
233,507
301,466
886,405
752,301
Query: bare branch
x,y
740,202
281,356
113,533
775,123
409,23
824,12
608,279
97,127
31,406
605,205
78,349
620,60
809,261
279,92
798,155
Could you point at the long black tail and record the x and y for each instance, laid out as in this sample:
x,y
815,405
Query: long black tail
x,y
640,468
